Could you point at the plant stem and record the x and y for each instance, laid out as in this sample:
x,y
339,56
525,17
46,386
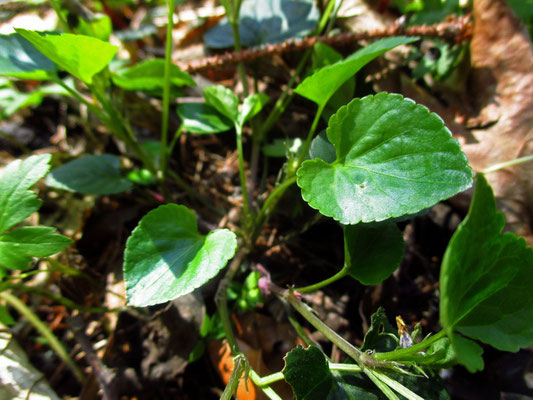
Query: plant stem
x,y
54,343
166,93
177,135
245,199
321,284
233,384
222,303
307,145
329,333
234,22
266,380
506,164
400,353
397,386
61,18
387,391
345,367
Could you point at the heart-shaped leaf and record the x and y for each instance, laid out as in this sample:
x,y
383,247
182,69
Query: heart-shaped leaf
x,y
266,21
20,59
394,157
166,258
320,86
486,283
203,118
372,251
223,100
149,76
96,175
18,247
16,200
81,56
251,106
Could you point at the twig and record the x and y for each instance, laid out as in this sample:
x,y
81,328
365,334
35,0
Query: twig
x,y
456,30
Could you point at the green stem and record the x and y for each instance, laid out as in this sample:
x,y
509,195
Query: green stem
x,y
77,95
245,199
329,333
177,135
233,384
266,380
387,391
61,18
299,329
166,93
271,201
222,301
54,343
400,353
237,45
309,139
506,164
321,284
397,386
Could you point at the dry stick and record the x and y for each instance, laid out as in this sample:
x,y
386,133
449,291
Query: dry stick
x,y
457,30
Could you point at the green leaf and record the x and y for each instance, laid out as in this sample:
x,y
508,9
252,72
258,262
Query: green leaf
x,y
323,56
100,26
81,56
96,175
223,100
266,21
486,283
251,106
5,317
320,86
20,59
372,251
322,148
19,246
149,76
307,372
380,335
283,147
393,158
203,118
16,201
166,258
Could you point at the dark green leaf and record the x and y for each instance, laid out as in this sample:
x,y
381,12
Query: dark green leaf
x,y
96,175
393,158
380,335
203,118
308,373
5,317
223,100
320,86
322,148
166,258
81,56
20,59
486,283
149,75
16,201
19,246
372,251
266,21
283,147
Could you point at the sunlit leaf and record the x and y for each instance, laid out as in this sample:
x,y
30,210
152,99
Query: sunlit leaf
x,y
167,258
393,157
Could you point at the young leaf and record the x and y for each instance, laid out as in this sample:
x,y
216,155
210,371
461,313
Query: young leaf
x,y
380,335
5,317
372,251
307,372
16,201
81,56
267,21
166,258
19,246
394,157
149,76
223,100
203,118
251,106
486,283
96,175
20,59
320,86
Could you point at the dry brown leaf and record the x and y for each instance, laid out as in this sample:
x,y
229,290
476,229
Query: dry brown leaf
x,y
501,84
